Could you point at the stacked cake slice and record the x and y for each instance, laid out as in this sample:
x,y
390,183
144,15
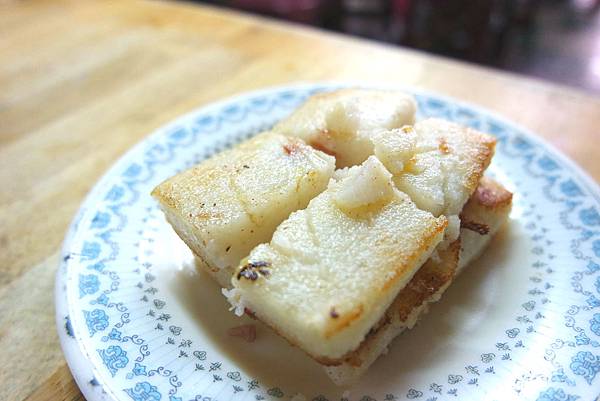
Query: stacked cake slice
x,y
340,262
225,206
485,212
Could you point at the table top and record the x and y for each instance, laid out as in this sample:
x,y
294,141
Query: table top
x,y
84,81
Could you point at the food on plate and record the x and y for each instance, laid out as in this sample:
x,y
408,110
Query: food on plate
x,y
332,269
341,123
228,204
436,162
340,262
485,212
481,218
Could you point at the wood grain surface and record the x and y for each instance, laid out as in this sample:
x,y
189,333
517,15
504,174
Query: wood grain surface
x,y
83,81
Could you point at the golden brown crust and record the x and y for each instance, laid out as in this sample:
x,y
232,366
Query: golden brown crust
x,y
489,197
337,325
427,281
345,320
161,193
491,194
428,278
424,244
433,277
479,151
482,160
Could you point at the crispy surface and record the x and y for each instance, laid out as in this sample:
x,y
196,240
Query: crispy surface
x,y
483,215
436,162
230,203
444,166
429,280
329,275
341,123
490,194
489,206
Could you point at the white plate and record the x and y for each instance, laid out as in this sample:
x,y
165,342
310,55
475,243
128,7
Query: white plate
x,y
137,322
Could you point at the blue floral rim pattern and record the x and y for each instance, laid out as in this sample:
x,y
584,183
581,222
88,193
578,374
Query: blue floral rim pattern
x,y
110,313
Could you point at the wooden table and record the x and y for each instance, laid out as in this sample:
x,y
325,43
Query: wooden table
x,y
81,82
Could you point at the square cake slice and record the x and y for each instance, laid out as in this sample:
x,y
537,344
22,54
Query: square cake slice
x,y
332,270
228,204
436,162
342,122
483,215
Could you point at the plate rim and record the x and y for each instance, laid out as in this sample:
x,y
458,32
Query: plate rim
x,y
79,365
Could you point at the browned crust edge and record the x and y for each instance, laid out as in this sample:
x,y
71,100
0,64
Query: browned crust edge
x,y
491,194
425,283
479,228
483,159
483,195
343,321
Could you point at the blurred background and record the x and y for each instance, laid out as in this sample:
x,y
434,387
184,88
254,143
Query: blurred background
x,y
557,40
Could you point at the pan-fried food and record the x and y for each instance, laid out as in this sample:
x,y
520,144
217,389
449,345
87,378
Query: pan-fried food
x,y
228,204
332,269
